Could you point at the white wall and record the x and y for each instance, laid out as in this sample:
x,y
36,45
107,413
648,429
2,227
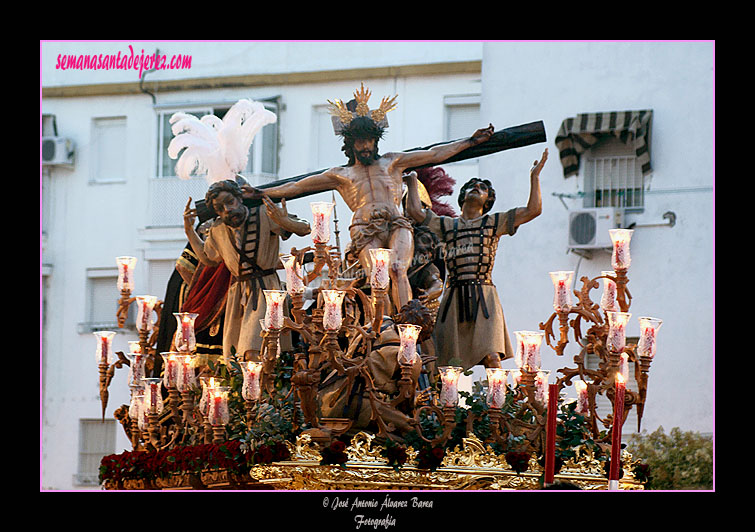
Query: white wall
x,y
671,275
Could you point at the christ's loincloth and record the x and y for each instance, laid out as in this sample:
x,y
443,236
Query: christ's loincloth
x,y
380,226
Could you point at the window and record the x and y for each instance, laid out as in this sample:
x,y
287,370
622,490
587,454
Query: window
x,y
96,440
168,193
102,301
613,150
612,176
462,116
108,150
263,154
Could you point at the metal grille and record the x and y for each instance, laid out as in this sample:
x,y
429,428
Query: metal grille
x,y
582,228
613,182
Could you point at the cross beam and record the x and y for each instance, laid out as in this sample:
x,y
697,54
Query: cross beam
x,y
505,139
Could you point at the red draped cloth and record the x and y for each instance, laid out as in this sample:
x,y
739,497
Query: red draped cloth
x,y
206,294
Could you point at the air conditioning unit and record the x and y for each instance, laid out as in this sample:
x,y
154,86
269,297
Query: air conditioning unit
x,y
57,150
588,228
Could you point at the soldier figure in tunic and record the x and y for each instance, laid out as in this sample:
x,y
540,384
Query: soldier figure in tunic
x,y
371,184
470,327
247,241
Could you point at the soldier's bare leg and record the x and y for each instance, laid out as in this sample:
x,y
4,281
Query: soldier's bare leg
x,y
402,244
492,360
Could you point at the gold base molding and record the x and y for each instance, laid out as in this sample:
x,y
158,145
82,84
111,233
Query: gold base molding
x,y
474,466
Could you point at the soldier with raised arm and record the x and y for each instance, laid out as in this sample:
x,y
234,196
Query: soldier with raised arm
x,y
470,328
371,184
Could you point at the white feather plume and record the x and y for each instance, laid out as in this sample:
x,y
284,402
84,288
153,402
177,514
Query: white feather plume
x,y
217,149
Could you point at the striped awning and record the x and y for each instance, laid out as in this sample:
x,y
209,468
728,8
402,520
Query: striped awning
x,y
576,135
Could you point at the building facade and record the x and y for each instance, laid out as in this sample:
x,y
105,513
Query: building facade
x,y
109,188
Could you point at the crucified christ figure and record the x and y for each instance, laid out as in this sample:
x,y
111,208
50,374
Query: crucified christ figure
x,y
371,186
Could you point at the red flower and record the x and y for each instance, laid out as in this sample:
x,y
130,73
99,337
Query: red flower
x,y
280,451
519,461
334,454
263,455
396,455
430,458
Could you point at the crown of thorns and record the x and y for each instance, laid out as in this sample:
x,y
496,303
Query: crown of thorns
x,y
342,115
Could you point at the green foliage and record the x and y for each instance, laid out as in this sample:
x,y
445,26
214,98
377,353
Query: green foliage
x,y
675,461
572,433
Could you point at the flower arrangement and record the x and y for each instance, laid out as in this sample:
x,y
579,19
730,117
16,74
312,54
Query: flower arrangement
x,y
230,456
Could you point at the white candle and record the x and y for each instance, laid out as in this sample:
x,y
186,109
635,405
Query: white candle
x,y
496,387
145,306
125,273
617,322
449,392
528,346
516,375
137,396
251,390
136,368
379,273
294,274
648,331
625,366
274,311
407,351
620,258
142,411
204,401
583,405
321,221
541,386
332,316
608,299
562,282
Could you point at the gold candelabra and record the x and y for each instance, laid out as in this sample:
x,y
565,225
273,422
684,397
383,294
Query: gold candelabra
x,y
332,341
